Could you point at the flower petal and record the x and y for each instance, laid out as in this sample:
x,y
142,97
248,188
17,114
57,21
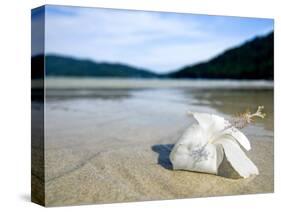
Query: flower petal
x,y
237,158
220,154
194,135
193,153
240,138
211,123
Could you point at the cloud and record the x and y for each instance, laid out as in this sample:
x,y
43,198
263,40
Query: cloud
x,y
152,40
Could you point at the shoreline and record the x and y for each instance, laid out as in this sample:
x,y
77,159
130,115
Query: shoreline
x,y
93,83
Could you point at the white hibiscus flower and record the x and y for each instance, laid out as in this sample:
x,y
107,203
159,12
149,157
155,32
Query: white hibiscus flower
x,y
203,145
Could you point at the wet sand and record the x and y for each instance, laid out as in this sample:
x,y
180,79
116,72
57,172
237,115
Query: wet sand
x,y
105,146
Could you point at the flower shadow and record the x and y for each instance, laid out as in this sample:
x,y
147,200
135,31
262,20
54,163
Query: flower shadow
x,y
163,151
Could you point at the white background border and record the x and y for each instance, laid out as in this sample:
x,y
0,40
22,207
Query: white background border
x,y
15,103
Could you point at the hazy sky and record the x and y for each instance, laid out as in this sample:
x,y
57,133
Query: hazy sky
x,y
157,41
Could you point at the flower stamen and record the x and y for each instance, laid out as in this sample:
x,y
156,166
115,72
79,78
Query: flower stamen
x,y
239,122
242,120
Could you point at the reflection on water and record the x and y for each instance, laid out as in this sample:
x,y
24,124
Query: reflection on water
x,y
111,94
168,101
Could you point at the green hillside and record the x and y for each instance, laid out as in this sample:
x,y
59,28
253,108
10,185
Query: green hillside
x,y
251,60
67,66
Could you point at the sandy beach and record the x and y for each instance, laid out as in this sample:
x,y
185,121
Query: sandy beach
x,y
112,145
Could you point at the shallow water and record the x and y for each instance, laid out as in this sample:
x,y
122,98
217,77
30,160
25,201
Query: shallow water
x,y
70,108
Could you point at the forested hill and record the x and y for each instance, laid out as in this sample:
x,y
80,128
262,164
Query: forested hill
x,y
56,65
251,60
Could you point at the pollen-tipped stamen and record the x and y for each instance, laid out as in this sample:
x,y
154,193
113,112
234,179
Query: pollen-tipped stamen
x,y
246,118
240,122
